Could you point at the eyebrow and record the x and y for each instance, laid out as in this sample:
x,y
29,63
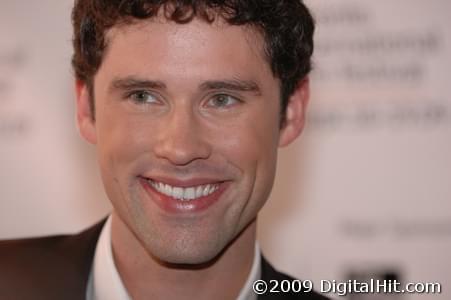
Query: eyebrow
x,y
132,82
234,85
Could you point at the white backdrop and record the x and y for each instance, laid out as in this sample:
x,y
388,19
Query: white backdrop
x,y
48,175
366,192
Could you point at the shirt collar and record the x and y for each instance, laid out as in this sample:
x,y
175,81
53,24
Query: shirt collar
x,y
105,282
247,291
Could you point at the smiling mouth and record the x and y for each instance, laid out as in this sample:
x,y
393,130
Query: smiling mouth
x,y
184,193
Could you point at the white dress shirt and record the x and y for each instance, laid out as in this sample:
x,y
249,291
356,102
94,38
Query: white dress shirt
x,y
105,282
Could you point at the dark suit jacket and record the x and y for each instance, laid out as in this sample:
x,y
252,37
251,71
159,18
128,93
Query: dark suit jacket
x,y
58,267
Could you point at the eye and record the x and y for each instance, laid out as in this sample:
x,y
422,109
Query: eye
x,y
222,101
142,97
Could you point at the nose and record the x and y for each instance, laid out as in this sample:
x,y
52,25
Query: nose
x,y
181,138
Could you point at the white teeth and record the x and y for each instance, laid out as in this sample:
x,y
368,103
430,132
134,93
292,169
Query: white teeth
x,y
190,193
184,194
199,191
206,190
177,192
167,189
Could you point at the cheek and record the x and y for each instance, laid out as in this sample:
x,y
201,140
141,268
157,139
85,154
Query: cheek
x,y
252,138
252,146
263,144
120,143
121,138
252,149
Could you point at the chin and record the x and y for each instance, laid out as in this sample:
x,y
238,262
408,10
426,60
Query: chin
x,y
187,258
185,251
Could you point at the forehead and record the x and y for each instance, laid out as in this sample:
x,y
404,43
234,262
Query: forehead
x,y
197,30
166,47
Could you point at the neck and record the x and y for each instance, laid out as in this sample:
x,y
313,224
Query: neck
x,y
145,277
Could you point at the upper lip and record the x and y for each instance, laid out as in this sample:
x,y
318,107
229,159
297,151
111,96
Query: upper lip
x,y
195,181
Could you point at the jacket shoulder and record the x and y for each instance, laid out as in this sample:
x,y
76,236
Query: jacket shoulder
x,y
270,273
36,266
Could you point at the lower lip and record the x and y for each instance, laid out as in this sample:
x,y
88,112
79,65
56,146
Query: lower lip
x,y
172,205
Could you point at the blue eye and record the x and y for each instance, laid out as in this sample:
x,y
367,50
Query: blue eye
x,y
143,97
222,100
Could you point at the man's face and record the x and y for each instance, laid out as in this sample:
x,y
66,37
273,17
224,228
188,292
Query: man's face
x,y
187,131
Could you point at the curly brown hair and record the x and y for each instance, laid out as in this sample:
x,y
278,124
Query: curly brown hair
x,y
287,27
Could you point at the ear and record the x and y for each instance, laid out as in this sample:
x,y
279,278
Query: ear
x,y
295,113
85,119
